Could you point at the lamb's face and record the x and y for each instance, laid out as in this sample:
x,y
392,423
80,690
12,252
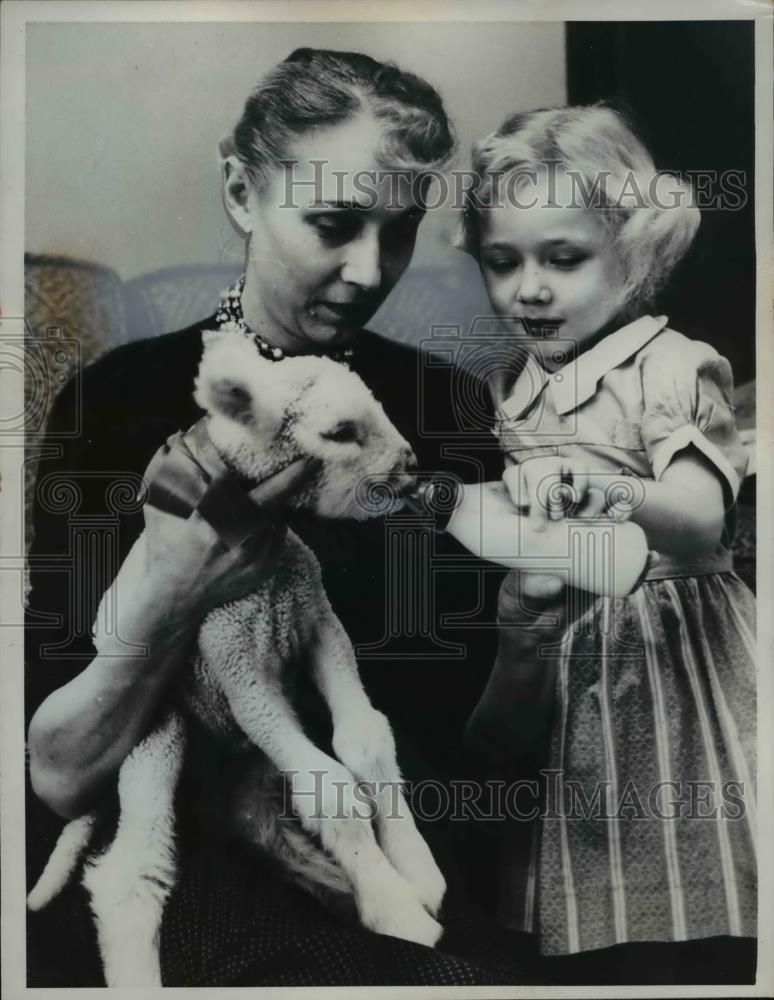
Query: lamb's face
x,y
337,420
265,414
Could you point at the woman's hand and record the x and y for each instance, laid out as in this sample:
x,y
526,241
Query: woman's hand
x,y
191,570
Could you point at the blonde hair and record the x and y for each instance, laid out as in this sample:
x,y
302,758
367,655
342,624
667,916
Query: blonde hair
x,y
594,143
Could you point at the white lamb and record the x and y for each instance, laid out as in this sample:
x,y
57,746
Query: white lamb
x,y
263,415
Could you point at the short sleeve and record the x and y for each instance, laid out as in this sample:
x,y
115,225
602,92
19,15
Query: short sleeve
x,y
687,393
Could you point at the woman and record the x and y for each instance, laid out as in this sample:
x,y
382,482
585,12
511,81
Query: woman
x,y
322,254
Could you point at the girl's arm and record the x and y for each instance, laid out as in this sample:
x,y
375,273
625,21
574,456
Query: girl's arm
x,y
682,514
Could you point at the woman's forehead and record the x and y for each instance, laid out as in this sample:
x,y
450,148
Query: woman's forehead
x,y
344,164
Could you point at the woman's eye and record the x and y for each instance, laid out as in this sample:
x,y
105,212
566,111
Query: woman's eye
x,y
402,232
335,228
407,223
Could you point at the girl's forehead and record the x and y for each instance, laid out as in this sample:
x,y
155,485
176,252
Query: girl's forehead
x,y
531,221
535,206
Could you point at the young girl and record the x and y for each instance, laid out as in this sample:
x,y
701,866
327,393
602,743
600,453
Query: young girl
x,y
646,831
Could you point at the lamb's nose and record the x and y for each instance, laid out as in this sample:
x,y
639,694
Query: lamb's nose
x,y
403,475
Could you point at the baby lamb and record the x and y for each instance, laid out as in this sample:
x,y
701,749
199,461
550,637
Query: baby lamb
x,y
263,415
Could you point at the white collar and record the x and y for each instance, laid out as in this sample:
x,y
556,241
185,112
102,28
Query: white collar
x,y
577,381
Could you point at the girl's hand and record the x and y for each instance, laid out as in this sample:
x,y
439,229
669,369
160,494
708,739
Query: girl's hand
x,y
484,512
548,488
487,524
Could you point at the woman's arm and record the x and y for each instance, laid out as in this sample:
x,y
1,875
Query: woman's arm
x,y
80,735
175,573
510,723
511,720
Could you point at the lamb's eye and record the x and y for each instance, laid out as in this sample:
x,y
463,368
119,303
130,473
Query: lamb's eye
x,y
342,433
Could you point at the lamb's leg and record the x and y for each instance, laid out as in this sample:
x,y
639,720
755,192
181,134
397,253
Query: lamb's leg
x,y
258,815
324,799
130,883
363,740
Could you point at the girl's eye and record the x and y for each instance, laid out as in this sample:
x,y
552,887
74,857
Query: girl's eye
x,y
501,265
567,261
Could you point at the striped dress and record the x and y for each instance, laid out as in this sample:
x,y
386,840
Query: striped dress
x,y
647,826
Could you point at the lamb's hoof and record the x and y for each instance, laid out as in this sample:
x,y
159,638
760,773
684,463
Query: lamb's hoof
x,y
128,919
400,915
418,867
409,853
123,975
417,926
135,965
430,888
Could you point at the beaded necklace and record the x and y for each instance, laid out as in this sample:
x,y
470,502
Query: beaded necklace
x,y
229,313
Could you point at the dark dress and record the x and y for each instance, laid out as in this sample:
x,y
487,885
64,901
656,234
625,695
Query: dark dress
x,y
233,919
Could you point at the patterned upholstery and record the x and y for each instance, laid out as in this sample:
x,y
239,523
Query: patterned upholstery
x,y
77,310
74,312
175,297
70,300
86,299
430,297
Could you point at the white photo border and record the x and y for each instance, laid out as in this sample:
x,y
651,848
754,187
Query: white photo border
x,y
16,15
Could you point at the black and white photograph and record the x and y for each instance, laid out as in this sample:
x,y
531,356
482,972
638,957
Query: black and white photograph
x,y
382,482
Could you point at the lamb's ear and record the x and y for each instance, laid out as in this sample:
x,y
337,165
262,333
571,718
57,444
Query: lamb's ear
x,y
228,375
228,396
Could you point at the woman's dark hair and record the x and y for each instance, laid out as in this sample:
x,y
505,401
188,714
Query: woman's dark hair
x,y
318,87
